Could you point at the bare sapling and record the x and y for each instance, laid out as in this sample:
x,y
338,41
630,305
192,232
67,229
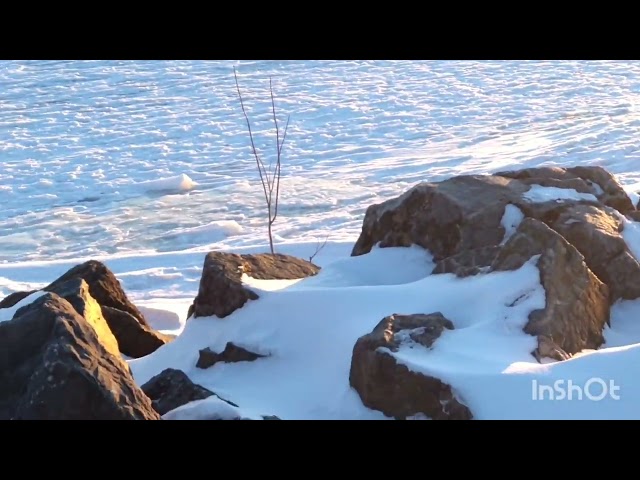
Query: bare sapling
x,y
319,247
269,177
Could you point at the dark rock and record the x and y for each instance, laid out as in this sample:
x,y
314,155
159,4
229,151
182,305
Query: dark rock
x,y
612,194
231,354
221,291
172,388
577,302
134,339
76,292
390,387
547,348
54,367
468,262
458,214
464,212
13,298
270,417
103,286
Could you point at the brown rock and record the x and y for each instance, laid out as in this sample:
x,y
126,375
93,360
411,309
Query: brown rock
x,y
634,215
172,388
596,233
134,339
221,291
54,367
390,387
231,354
577,302
449,217
468,262
103,286
612,194
13,298
547,348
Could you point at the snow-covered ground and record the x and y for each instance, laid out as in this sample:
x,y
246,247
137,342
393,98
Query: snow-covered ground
x,y
147,166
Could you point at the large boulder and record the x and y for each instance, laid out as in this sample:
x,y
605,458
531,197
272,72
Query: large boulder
x,y
463,221
458,214
597,233
594,180
221,291
577,302
386,385
172,388
53,366
103,286
135,338
76,292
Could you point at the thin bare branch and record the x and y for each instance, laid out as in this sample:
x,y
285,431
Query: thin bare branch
x,y
319,247
275,121
278,167
253,146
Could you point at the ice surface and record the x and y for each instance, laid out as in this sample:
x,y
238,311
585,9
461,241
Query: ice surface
x,y
104,157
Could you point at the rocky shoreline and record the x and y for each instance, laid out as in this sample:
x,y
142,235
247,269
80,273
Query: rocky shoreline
x,y
63,346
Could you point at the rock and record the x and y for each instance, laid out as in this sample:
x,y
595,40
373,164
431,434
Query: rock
x,y
103,286
172,388
76,292
231,354
547,348
603,184
597,234
134,335
468,262
13,298
464,213
634,216
390,387
221,291
54,367
577,302
270,417
134,339
458,214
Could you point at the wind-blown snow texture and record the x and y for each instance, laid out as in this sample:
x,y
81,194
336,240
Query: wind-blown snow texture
x,y
79,139
147,165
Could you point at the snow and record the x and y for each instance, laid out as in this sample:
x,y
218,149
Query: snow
x,y
180,183
146,165
631,235
309,332
538,194
510,221
212,408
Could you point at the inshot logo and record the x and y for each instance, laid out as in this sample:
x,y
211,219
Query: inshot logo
x,y
594,389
